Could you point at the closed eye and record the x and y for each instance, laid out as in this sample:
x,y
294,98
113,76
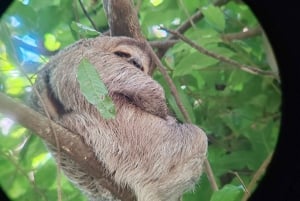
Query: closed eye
x,y
132,61
136,63
122,54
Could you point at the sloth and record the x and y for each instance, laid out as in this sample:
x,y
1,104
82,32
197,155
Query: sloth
x,y
142,147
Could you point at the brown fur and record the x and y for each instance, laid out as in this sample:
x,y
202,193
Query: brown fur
x,y
143,147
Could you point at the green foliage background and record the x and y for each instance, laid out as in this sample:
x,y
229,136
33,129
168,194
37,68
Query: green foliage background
x,y
239,111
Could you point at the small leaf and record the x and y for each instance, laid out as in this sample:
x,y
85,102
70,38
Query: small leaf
x,y
45,175
15,85
94,90
83,30
214,16
51,42
228,193
192,62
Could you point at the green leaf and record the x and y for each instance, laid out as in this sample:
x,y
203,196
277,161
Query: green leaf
x,y
83,30
6,167
156,2
193,61
51,42
214,16
228,193
15,85
94,90
46,175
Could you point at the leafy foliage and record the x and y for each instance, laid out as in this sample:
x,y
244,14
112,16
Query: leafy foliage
x,y
239,111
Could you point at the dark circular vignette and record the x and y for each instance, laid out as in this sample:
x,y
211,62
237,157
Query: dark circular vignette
x,y
279,21
4,5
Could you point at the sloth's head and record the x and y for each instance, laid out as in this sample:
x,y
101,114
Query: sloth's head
x,y
128,49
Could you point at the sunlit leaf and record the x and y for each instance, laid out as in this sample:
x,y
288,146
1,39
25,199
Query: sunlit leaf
x,y
5,64
94,90
15,85
19,132
51,42
83,30
40,159
156,2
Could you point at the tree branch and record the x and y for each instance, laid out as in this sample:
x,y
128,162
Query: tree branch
x,y
258,174
242,35
122,19
171,84
196,17
246,68
188,23
70,143
185,114
87,15
163,44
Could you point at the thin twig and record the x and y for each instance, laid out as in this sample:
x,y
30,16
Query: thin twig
x,y
163,44
258,174
9,156
241,181
59,193
196,17
187,24
58,159
210,175
242,35
172,86
187,14
246,68
87,15
185,114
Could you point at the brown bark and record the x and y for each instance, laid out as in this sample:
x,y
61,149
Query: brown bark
x,y
70,143
122,18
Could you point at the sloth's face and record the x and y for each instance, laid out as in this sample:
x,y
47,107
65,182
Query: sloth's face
x,y
135,61
134,56
133,52
130,50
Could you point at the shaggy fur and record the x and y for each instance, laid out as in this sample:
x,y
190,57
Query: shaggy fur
x,y
143,147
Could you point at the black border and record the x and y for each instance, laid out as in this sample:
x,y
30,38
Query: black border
x,y
280,21
4,5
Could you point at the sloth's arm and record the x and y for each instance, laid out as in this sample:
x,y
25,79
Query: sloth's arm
x,y
123,79
139,88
